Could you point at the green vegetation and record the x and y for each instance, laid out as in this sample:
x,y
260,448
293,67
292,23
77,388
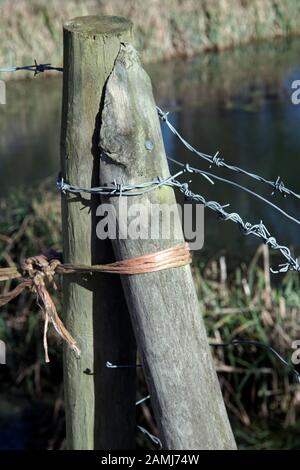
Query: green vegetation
x,y
172,28
244,304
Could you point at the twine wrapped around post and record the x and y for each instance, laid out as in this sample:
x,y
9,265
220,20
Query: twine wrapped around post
x,y
39,271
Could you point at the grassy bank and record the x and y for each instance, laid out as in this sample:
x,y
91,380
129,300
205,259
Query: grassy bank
x,y
238,301
172,28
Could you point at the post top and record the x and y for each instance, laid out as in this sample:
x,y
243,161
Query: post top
x,y
98,25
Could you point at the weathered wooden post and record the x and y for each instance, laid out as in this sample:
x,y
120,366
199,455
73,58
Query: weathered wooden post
x,y
169,329
100,403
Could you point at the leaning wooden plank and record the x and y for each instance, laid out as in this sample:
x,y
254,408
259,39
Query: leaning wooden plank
x,y
169,328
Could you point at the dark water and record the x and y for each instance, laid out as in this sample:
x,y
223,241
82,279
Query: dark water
x,y
23,423
237,102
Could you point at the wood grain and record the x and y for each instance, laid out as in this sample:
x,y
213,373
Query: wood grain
x,y
100,402
169,328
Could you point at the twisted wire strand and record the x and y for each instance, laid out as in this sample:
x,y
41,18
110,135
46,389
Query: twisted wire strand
x,y
118,189
258,230
277,185
212,176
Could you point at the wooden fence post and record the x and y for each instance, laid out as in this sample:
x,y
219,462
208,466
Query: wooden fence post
x,y
169,329
100,402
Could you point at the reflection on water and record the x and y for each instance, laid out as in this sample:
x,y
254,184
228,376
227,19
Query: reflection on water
x,y
29,138
237,102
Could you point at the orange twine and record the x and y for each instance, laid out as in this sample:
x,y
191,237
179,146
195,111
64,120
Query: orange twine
x,y
39,270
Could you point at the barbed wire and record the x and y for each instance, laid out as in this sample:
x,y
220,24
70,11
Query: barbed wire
x,y
212,176
277,185
36,68
258,230
118,189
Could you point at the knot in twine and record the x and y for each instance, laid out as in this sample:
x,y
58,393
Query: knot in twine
x,y
42,266
39,271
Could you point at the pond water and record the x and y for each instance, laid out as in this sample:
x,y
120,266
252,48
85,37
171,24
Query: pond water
x,y
236,102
